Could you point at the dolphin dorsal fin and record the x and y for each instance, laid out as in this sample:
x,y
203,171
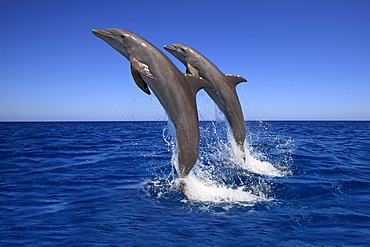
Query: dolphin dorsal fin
x,y
139,80
197,83
142,68
235,79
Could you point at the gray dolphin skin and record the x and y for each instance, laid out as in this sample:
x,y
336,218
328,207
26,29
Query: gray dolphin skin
x,y
153,71
224,87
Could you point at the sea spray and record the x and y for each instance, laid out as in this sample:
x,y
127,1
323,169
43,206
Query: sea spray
x,y
251,159
220,175
207,190
267,154
219,144
169,137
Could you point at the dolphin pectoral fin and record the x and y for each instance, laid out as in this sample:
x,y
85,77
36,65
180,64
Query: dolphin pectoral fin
x,y
235,79
141,68
197,83
191,70
139,81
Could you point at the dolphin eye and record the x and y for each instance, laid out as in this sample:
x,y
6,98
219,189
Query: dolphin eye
x,y
123,37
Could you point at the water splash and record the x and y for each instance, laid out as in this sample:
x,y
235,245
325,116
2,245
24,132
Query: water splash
x,y
220,175
204,189
223,147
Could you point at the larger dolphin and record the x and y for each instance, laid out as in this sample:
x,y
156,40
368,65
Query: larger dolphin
x,y
224,87
153,70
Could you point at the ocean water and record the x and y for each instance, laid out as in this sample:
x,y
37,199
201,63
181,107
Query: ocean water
x,y
116,184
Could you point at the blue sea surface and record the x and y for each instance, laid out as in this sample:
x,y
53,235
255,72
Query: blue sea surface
x,y
114,183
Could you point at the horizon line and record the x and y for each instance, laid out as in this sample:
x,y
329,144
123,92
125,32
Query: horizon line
x,y
250,120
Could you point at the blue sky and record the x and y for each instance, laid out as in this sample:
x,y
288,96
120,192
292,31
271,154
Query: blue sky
x,y
304,60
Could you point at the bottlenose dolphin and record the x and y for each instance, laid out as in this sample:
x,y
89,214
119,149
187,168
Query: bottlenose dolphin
x,y
223,92
152,70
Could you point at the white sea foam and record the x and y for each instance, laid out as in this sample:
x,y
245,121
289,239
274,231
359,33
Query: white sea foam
x,y
221,173
227,149
251,163
206,190
261,167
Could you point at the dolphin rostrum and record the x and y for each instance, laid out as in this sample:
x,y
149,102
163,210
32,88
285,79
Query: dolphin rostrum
x,y
223,92
152,70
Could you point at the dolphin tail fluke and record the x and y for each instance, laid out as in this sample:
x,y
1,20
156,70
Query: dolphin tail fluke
x,y
197,83
235,79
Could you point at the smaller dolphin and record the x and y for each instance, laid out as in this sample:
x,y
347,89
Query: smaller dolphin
x,y
153,71
223,92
